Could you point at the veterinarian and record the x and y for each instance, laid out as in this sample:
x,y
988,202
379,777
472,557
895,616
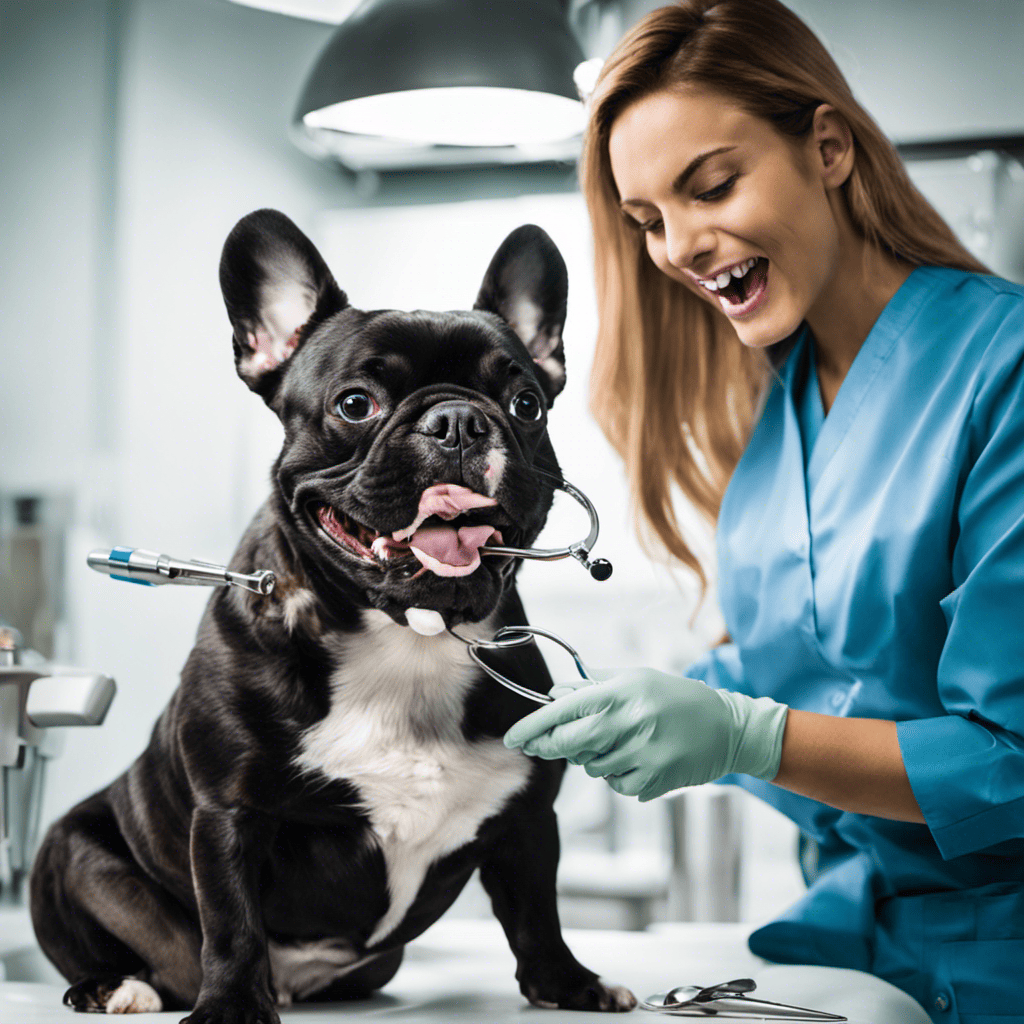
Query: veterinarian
x,y
792,336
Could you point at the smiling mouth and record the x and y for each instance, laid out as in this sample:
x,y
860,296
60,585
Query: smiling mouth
x,y
740,288
433,542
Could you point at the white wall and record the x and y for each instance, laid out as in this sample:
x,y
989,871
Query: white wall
x,y
928,69
53,126
925,69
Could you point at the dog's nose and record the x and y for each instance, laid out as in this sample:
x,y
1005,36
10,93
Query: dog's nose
x,y
455,424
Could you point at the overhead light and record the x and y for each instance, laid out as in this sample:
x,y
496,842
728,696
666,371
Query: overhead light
x,y
467,73
456,116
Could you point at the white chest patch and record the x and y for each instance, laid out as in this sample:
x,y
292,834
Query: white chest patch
x,y
394,732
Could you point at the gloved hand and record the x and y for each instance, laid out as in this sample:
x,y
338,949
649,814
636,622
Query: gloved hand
x,y
648,732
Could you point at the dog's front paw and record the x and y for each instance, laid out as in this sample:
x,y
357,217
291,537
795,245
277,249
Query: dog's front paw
x,y
578,989
232,1011
113,994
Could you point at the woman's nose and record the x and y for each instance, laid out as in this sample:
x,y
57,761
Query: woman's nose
x,y
686,238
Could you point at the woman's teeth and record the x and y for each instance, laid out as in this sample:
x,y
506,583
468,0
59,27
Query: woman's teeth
x,y
740,270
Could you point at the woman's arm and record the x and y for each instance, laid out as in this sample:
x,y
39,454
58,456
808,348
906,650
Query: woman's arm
x,y
854,764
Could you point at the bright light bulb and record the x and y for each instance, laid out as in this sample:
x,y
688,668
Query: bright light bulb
x,y
457,116
585,76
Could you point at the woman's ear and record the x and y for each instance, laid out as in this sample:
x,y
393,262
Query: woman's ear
x,y
833,145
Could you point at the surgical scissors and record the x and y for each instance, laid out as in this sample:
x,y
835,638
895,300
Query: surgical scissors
x,y
518,636
729,1000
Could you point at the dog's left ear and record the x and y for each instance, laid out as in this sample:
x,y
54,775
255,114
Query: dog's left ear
x,y
526,285
276,286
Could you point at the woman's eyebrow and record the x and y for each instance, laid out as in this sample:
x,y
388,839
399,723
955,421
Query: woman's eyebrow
x,y
679,183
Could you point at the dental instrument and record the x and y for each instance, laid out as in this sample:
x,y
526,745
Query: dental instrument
x,y
136,565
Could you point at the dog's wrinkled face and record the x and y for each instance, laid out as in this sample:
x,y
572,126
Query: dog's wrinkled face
x,y
411,439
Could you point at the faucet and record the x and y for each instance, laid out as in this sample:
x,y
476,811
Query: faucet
x,y
35,696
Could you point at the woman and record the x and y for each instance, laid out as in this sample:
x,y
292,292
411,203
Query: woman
x,y
792,336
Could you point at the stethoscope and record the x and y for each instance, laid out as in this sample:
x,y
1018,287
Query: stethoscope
x,y
600,568
137,565
517,636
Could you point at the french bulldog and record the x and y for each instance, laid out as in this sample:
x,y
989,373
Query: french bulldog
x,y
325,779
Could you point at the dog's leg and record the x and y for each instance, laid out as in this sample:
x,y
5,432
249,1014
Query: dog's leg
x,y
128,946
518,872
228,847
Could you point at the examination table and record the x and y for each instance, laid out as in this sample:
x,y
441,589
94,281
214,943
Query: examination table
x,y
461,970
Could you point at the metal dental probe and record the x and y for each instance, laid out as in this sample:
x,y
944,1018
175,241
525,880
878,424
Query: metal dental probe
x,y
136,565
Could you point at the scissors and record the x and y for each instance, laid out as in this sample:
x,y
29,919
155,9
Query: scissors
x,y
729,1000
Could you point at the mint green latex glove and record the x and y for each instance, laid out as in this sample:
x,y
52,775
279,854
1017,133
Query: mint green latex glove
x,y
647,732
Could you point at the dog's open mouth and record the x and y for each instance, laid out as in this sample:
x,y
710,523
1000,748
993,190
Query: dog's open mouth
x,y
432,540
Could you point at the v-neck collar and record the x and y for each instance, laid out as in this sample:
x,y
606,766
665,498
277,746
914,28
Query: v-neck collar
x,y
878,346
810,411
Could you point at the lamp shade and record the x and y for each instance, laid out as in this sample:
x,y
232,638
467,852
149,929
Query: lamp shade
x,y
449,72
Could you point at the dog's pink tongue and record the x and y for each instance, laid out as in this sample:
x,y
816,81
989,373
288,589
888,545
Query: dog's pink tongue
x,y
445,550
446,501
450,552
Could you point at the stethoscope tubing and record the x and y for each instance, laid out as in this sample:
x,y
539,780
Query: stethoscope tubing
x,y
518,636
600,568
552,554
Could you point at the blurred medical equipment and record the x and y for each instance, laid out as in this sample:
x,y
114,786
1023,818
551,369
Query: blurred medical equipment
x,y
35,696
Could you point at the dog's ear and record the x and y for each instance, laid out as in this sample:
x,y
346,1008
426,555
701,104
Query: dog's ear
x,y
526,285
276,287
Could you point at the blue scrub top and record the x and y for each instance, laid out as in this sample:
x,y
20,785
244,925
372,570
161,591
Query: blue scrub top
x,y
871,565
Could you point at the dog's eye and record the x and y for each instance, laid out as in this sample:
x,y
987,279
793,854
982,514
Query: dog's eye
x,y
526,406
356,406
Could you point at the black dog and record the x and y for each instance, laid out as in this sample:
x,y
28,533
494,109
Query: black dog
x,y
325,779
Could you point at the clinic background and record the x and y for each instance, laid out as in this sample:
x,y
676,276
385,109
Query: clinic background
x,y
133,134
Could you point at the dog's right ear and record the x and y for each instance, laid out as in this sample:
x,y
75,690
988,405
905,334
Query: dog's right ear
x,y
276,288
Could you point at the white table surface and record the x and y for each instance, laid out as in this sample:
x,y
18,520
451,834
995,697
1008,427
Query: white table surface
x,y
461,970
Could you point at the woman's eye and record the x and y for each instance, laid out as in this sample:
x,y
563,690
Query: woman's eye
x,y
719,190
526,406
356,406
643,226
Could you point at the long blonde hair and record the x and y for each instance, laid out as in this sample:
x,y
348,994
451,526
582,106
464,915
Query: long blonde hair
x,y
672,386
